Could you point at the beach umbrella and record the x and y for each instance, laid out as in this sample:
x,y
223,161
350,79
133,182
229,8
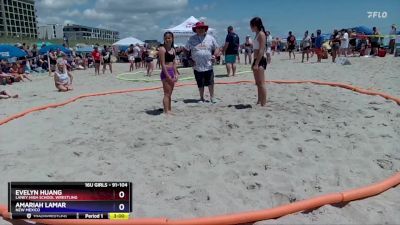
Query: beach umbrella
x,y
49,48
9,51
43,43
363,29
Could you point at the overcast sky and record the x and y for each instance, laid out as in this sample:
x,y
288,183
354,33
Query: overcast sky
x,y
145,19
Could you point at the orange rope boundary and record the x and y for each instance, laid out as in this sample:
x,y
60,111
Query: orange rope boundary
x,y
238,218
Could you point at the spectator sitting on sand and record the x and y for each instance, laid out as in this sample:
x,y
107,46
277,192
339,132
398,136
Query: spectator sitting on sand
x,y
18,72
62,77
6,78
6,95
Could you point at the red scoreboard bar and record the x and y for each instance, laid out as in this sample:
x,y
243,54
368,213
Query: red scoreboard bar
x,y
67,200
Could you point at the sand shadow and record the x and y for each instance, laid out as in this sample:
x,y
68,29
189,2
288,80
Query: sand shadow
x,y
154,112
191,101
221,75
241,106
310,210
340,204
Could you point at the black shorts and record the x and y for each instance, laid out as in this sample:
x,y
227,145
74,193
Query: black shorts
x,y
149,59
138,60
97,61
374,44
291,47
205,78
263,62
306,48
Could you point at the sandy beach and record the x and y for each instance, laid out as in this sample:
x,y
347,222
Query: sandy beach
x,y
213,159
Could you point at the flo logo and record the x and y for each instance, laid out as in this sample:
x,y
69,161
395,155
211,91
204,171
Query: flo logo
x,y
378,15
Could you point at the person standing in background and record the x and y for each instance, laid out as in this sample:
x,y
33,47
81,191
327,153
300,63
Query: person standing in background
x,y
291,45
344,47
319,40
231,50
106,53
97,59
131,57
248,50
137,56
374,41
335,44
312,45
268,46
392,39
306,45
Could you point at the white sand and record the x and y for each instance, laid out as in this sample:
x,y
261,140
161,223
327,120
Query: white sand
x,y
215,159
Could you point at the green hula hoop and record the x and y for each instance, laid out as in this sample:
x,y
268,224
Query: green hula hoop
x,y
121,76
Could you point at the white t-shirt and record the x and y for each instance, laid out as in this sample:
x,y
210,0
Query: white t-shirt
x,y
307,41
136,51
345,42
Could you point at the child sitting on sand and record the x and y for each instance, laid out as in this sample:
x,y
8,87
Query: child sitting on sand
x,y
6,95
62,77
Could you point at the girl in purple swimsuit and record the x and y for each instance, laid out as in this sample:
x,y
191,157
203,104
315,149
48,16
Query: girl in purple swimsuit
x,y
169,73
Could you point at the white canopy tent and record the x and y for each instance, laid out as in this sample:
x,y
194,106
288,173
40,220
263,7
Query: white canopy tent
x,y
128,41
185,29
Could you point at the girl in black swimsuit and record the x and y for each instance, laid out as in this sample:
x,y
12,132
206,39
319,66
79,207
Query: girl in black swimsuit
x,y
169,73
260,62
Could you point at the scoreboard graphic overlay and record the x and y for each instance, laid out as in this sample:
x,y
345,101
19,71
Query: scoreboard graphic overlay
x,y
70,200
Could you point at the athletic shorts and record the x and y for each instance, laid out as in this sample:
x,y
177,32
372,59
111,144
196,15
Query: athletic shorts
x,y
138,60
291,47
149,59
204,79
97,61
230,59
131,58
306,48
263,63
374,44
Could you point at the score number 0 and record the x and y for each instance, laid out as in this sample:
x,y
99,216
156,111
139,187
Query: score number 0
x,y
121,206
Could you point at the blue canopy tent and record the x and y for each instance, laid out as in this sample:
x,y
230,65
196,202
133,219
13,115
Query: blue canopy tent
x,y
9,51
49,48
363,29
